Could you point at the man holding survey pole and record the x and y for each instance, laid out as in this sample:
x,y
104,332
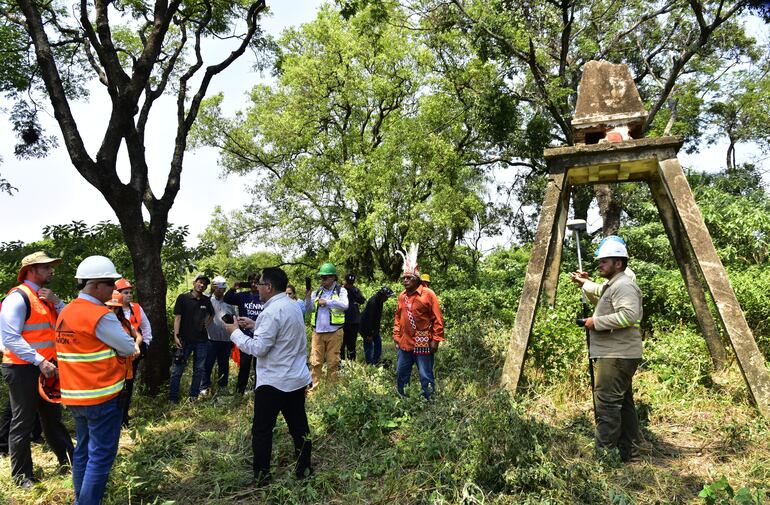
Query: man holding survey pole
x,y
615,347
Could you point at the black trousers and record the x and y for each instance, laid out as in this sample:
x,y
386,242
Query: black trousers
x,y
248,363
5,428
268,402
26,403
128,392
349,337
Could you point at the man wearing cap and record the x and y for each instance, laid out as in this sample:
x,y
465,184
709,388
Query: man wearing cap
x,y
219,338
139,321
193,312
615,348
327,306
352,319
418,328
27,323
92,345
371,319
425,280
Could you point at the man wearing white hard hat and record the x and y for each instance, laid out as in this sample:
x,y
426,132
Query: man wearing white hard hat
x,y
594,290
92,345
615,347
27,329
220,346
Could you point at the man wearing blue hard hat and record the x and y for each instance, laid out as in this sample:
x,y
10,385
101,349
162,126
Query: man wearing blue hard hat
x,y
615,346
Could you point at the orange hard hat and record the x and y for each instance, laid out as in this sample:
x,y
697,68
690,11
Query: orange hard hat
x,y
49,388
116,300
122,284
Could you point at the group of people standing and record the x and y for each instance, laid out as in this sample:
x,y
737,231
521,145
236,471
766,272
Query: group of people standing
x,y
79,355
268,323
84,355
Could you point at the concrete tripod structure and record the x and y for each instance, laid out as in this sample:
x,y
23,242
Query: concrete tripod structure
x,y
648,160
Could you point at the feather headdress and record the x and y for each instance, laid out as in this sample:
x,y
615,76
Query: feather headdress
x,y
410,260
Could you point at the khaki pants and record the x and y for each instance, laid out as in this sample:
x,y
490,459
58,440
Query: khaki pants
x,y
325,347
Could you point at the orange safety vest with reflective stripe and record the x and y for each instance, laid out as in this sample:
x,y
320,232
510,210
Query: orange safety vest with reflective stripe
x,y
129,360
136,316
38,329
90,371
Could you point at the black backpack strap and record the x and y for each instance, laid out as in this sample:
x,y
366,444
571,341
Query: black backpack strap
x,y
26,301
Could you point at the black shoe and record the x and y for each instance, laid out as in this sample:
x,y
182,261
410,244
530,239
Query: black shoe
x,y
262,479
304,473
25,483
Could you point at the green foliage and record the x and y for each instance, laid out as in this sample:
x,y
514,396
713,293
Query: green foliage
x,y
75,241
752,287
557,343
738,218
741,111
362,146
364,410
720,492
679,357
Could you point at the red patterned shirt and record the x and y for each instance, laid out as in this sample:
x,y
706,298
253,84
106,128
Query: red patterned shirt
x,y
426,316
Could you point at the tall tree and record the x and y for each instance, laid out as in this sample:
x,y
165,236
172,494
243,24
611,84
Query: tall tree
x,y
138,50
363,145
675,49
741,111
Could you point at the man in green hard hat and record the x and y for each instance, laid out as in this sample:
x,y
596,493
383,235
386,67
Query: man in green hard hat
x,y
327,306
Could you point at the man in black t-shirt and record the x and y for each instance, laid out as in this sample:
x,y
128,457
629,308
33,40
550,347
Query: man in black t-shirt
x,y
193,312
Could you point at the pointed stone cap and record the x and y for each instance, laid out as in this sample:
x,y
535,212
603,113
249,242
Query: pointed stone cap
x,y
607,98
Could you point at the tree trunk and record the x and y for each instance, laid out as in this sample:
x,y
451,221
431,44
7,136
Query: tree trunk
x,y
152,288
144,247
609,208
582,196
731,157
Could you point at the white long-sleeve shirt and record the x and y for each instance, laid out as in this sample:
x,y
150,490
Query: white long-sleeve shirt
x,y
279,343
12,319
144,324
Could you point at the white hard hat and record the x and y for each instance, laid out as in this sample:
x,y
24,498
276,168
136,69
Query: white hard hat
x,y
96,267
612,247
219,282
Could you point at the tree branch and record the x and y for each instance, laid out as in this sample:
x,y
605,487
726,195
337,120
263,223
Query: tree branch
x,y
53,83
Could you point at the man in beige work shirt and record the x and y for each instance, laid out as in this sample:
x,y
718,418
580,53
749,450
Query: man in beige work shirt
x,y
615,347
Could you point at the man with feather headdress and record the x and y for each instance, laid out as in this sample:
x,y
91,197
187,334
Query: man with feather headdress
x,y
418,327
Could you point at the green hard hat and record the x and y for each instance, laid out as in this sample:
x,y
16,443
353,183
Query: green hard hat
x,y
328,269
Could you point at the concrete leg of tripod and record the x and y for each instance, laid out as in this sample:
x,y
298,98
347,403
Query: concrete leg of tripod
x,y
555,195
750,359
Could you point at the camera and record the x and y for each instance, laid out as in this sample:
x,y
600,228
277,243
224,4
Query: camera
x,y
228,318
580,322
179,357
